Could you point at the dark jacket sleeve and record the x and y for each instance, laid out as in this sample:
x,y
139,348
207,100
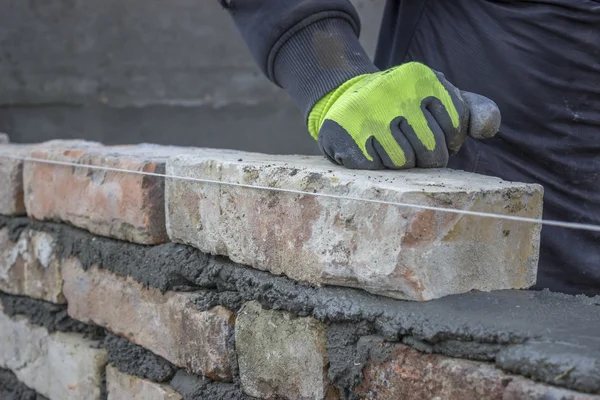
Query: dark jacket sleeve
x,y
307,47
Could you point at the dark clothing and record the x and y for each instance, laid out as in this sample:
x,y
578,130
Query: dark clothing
x,y
538,60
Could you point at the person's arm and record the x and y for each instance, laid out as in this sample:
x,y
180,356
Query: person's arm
x,y
307,47
407,116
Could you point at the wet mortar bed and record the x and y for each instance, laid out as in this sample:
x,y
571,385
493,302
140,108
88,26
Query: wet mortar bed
x,y
549,337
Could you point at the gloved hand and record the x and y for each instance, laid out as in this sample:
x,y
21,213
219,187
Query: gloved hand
x,y
404,117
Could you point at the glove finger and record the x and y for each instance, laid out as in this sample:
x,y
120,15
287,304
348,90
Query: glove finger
x,y
455,137
436,158
339,148
485,119
409,153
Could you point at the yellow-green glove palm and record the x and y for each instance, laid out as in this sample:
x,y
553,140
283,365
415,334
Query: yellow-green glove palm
x,y
405,117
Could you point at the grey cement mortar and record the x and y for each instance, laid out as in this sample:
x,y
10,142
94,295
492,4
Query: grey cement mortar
x,y
103,389
547,336
192,387
13,389
51,316
456,348
132,359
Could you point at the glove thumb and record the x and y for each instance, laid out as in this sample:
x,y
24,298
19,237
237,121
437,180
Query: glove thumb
x,y
484,116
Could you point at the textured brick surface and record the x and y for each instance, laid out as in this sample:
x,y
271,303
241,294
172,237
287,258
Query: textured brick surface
x,y
122,205
409,374
11,179
402,252
11,171
30,267
168,324
280,355
58,365
120,386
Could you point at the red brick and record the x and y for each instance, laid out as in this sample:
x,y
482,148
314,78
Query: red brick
x,y
122,205
168,324
409,374
11,171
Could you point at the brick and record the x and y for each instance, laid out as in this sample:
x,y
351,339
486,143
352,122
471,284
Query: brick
x,y
401,252
120,386
280,355
409,374
57,365
30,267
168,324
11,180
11,172
121,205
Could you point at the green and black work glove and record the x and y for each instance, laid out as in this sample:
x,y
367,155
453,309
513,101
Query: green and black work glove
x,y
404,117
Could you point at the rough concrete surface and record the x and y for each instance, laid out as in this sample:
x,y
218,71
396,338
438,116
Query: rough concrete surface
x,y
168,324
13,389
408,374
120,386
488,322
132,359
280,355
400,252
170,73
30,266
34,355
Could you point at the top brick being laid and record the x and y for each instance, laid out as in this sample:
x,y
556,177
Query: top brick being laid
x,y
401,252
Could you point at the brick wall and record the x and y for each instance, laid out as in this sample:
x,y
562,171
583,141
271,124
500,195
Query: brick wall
x,y
130,285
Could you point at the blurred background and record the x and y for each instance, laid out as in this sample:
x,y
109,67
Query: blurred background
x,y
169,72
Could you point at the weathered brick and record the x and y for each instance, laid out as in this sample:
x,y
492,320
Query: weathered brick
x,y
409,374
11,179
30,267
401,252
168,324
280,355
120,386
122,205
57,365
11,171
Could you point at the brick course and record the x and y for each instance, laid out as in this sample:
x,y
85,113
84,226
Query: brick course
x,y
57,365
409,374
168,324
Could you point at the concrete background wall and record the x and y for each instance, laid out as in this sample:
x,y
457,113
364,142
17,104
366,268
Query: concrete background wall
x,y
115,71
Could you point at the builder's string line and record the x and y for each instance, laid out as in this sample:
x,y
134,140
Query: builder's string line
x,y
562,224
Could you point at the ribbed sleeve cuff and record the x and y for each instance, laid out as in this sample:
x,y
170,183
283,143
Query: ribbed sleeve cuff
x,y
319,58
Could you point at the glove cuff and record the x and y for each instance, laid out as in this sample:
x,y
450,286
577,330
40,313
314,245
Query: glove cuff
x,y
318,59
